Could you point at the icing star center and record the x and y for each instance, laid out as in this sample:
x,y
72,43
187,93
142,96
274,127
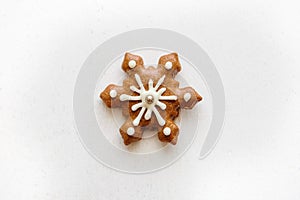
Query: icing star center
x,y
149,100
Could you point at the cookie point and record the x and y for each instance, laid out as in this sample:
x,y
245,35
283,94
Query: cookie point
x,y
199,98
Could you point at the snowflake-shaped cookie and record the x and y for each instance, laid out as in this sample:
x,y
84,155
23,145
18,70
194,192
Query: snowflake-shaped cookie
x,y
150,98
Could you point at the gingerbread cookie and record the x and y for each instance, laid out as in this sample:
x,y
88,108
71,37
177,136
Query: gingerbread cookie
x,y
150,98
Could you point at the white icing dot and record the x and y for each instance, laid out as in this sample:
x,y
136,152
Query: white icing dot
x,y
167,131
113,93
187,97
130,131
132,64
168,65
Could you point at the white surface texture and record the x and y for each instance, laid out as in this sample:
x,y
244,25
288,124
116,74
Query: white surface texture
x,y
255,46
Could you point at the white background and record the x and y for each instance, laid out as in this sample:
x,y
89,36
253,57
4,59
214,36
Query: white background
x,y
255,46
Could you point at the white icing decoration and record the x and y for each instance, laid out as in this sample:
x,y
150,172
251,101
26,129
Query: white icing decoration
x,y
113,93
130,131
167,131
132,64
187,97
144,95
168,65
